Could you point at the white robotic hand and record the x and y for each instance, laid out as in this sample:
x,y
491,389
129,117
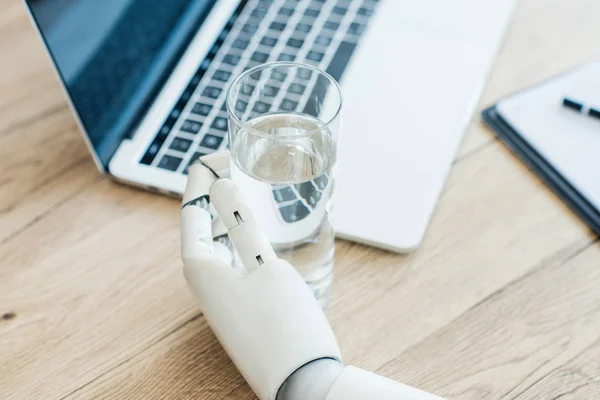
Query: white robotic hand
x,y
267,318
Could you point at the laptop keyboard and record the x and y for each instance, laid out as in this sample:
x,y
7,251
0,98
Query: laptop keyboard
x,y
323,33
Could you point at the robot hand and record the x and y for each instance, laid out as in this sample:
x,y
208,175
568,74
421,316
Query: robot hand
x,y
267,318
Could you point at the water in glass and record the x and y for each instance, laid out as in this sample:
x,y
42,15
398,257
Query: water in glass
x,y
286,174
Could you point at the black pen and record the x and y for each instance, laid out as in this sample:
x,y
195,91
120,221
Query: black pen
x,y
581,108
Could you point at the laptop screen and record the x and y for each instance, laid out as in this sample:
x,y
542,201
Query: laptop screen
x,y
113,56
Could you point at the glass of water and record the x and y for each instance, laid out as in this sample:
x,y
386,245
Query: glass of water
x,y
283,130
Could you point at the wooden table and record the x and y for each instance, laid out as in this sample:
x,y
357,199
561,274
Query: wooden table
x,y
502,301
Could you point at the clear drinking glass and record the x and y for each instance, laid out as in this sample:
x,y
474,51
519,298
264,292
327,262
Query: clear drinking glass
x,y
283,131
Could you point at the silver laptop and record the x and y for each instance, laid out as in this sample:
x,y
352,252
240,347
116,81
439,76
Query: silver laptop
x,y
146,80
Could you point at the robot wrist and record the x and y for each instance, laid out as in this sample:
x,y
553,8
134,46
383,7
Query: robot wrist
x,y
311,381
357,384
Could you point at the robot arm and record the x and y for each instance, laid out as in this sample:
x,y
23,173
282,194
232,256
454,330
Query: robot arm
x,y
266,318
330,380
357,384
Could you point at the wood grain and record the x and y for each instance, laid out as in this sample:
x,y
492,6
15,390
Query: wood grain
x,y
576,379
28,85
501,301
515,329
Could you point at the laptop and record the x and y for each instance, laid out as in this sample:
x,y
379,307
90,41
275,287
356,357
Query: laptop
x,y
147,79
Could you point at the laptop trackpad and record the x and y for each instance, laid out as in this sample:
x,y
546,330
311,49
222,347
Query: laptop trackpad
x,y
408,95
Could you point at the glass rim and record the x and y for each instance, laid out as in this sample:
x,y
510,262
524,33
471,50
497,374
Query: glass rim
x,y
272,65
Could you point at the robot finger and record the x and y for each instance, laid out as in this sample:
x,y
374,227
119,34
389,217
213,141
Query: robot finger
x,y
249,240
196,229
217,162
223,247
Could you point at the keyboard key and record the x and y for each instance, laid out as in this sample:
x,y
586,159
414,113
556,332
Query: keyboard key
x,y
268,41
315,100
180,144
340,59
270,91
211,92
324,40
165,130
151,152
260,57
312,13
231,59
258,13
213,51
306,190
284,194
315,56
211,141
264,4
356,29
314,200
297,88
240,44
289,105
294,212
296,43
303,27
304,74
191,126
186,96
195,80
170,163
175,113
286,11
241,105
219,124
153,149
203,67
247,89
309,193
331,25
170,121
278,76
261,107
222,76
224,107
365,12
201,109
321,181
286,57
277,26
339,10
249,28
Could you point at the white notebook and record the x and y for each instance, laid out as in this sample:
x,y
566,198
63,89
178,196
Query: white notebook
x,y
568,141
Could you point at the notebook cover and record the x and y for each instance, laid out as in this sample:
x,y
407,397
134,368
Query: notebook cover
x,y
541,167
